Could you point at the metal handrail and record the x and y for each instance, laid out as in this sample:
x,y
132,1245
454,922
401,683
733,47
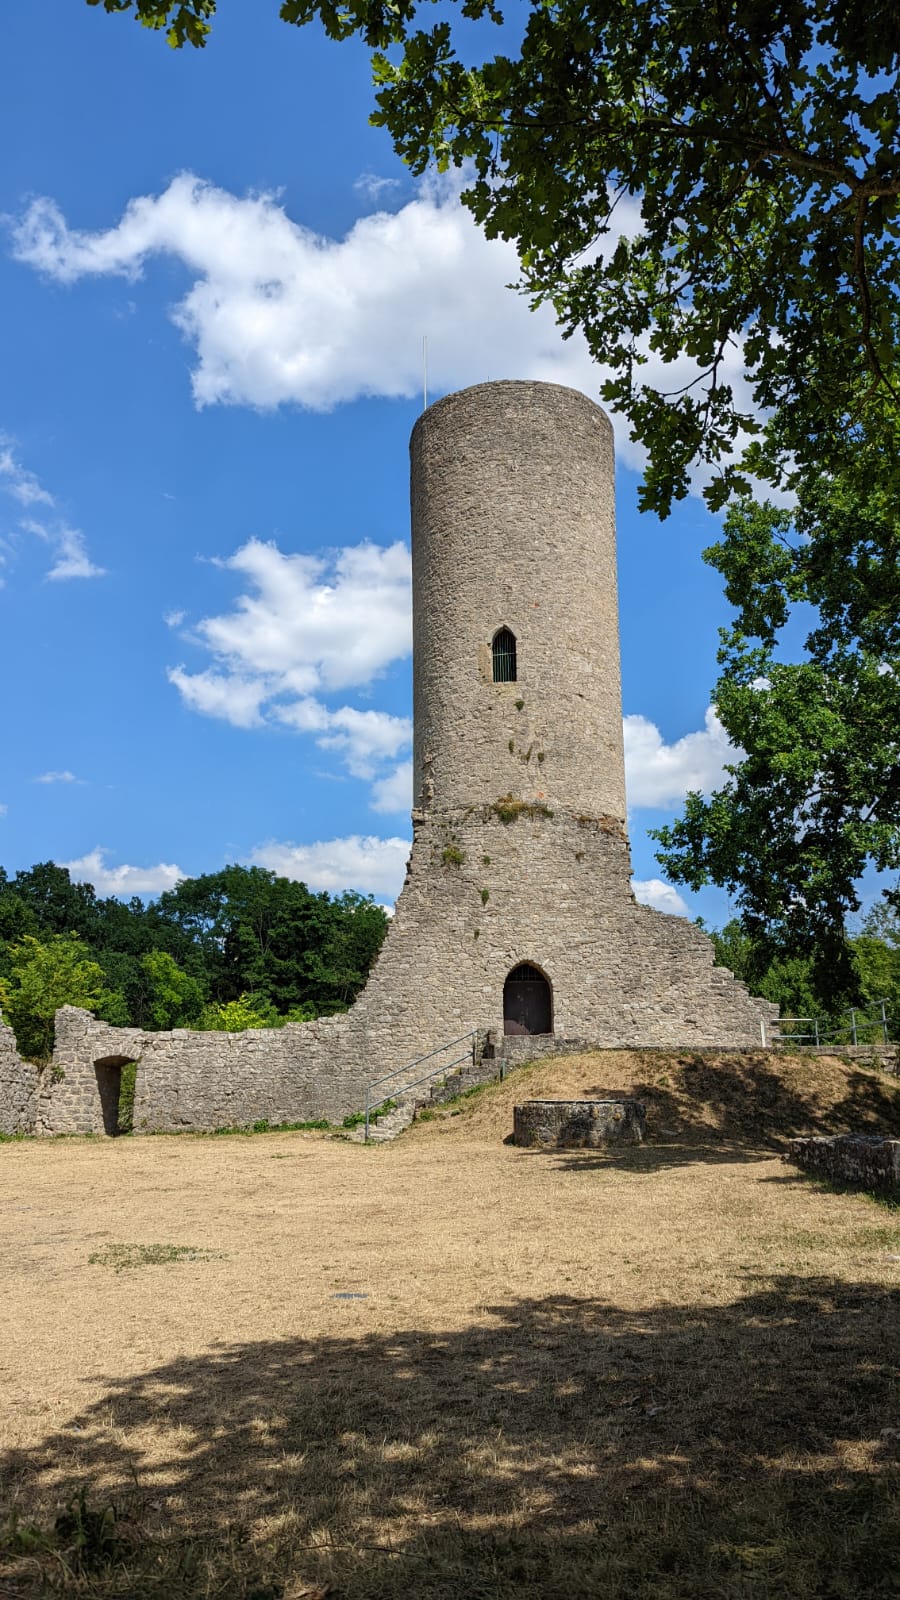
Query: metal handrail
x,y
823,1031
445,1066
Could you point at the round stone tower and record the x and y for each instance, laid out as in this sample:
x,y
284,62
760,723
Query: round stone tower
x,y
515,621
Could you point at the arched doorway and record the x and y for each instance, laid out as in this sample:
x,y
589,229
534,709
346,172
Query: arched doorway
x,y
527,1001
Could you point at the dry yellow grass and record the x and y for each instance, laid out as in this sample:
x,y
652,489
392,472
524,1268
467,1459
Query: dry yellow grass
x,y
663,1373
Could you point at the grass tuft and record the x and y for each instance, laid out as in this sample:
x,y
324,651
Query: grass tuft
x,y
125,1257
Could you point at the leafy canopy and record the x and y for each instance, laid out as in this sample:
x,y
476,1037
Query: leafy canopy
x,y
198,957
43,977
757,138
815,798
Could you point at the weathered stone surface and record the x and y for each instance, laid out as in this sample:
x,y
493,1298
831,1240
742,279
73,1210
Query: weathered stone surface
x,y
867,1162
20,1085
519,852
578,1124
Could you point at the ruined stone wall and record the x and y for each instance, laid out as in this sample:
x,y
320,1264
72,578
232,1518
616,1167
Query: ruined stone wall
x,y
557,895
863,1161
20,1084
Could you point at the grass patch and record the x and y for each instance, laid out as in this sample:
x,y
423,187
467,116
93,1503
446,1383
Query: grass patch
x,y
875,1197
510,810
356,1119
753,1098
241,1130
125,1257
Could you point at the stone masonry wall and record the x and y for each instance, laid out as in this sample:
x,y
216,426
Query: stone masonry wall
x,y
557,895
513,525
20,1085
867,1163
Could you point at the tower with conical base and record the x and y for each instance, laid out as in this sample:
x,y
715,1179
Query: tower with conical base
x,y
517,915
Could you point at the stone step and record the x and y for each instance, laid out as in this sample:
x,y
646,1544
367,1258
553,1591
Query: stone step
x,y
456,1082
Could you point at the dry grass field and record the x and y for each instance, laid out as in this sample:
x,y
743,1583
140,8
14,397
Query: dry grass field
x,y
287,1365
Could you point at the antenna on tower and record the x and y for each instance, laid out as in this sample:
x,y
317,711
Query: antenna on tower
x,y
425,372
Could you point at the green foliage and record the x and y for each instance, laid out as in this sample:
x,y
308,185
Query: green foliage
x,y
452,856
792,982
127,1087
204,946
509,810
235,1016
756,142
813,795
125,1257
43,977
357,1118
272,937
184,21
173,999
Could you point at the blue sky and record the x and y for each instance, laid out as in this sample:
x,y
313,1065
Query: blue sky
x,y
215,279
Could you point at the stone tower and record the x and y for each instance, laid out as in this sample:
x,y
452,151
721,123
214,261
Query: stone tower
x,y
513,527
517,914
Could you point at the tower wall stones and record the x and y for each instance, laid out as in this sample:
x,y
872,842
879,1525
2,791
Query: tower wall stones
x,y
519,847
513,524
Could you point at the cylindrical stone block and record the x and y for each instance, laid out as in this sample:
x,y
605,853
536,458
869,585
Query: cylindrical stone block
x,y
578,1124
513,527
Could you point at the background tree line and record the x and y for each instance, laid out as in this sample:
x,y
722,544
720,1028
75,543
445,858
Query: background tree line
x,y
793,980
235,949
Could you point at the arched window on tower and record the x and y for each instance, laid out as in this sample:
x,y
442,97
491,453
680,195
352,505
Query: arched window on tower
x,y
503,651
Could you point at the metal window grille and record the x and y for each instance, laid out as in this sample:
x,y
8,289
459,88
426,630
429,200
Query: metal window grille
x,y
504,654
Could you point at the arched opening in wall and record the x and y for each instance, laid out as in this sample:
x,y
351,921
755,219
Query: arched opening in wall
x,y
116,1077
503,653
527,1001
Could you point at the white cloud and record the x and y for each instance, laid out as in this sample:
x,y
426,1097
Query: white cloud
x,y
394,792
174,619
217,694
278,314
316,621
373,186
660,774
122,881
17,480
366,864
58,777
71,559
363,738
306,627
3,810
661,896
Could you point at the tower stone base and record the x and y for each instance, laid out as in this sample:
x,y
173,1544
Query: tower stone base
x,y
619,973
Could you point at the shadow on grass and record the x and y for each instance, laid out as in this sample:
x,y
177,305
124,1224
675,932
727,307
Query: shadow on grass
x,y
750,1103
651,1157
562,1448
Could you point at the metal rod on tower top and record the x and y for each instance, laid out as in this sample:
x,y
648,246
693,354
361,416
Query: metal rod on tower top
x,y
425,372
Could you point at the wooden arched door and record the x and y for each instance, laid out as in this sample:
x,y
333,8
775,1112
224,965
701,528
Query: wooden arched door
x,y
527,1001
